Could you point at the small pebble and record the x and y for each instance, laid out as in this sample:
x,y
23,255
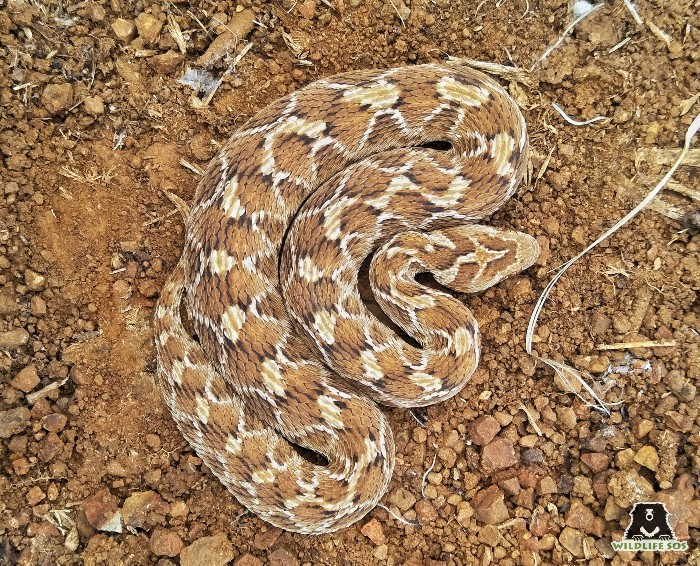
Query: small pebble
x,y
372,529
381,552
50,447
102,511
547,485
214,550
148,27
425,512
642,427
402,498
265,539
14,421
34,495
37,305
489,507
307,9
26,380
572,540
125,30
648,457
498,454
245,560
596,461
13,339
57,98
35,281
484,429
282,556
55,422
138,506
94,105
165,542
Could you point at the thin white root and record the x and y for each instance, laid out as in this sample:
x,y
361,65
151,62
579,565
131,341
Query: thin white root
x,y
565,34
563,370
576,122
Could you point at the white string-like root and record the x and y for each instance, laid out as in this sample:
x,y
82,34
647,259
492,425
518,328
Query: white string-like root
x,y
425,475
562,370
399,518
576,122
564,35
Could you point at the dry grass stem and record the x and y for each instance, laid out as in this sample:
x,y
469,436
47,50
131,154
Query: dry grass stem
x,y
688,103
619,45
191,166
660,34
44,391
640,344
506,72
668,210
531,419
661,156
545,164
160,218
633,11
403,23
684,190
90,177
176,33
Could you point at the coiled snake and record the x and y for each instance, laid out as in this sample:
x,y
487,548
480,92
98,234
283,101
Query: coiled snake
x,y
286,351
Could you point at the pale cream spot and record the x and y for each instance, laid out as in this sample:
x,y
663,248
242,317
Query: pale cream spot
x,y
308,270
371,366
263,476
397,184
501,151
427,382
220,262
233,444
231,204
272,378
202,408
468,95
176,370
332,217
452,195
232,321
330,411
462,341
232,207
293,124
370,453
377,96
324,323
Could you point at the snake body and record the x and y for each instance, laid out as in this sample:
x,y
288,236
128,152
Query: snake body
x,y
286,353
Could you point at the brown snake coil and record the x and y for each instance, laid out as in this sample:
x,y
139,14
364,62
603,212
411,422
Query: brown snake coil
x,y
287,352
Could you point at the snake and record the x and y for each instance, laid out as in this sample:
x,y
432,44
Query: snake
x,y
269,360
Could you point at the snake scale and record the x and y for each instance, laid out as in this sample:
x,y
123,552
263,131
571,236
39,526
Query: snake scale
x,y
285,352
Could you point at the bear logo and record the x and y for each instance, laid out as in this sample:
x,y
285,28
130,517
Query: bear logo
x,y
649,521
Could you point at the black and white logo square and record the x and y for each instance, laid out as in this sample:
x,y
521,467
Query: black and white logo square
x,y
649,521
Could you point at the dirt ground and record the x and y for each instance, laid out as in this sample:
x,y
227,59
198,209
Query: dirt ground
x,y
94,127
